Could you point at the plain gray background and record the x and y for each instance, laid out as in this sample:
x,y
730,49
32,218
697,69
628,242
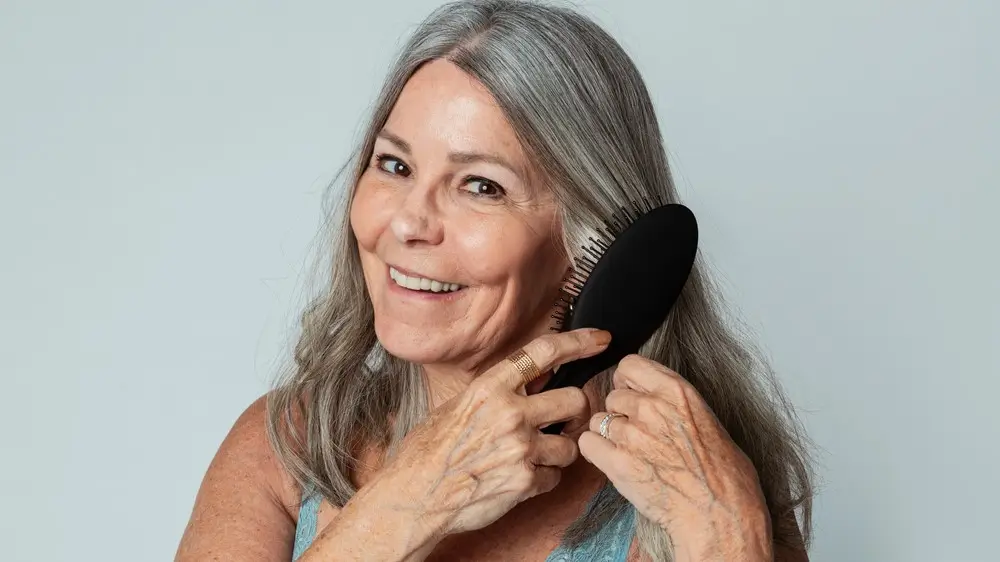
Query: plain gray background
x,y
162,165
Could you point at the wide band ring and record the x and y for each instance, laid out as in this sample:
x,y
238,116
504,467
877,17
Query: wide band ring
x,y
524,365
606,423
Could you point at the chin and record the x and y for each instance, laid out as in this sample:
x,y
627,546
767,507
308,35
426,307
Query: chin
x,y
411,344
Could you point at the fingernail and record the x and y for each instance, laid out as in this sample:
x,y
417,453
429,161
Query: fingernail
x,y
601,337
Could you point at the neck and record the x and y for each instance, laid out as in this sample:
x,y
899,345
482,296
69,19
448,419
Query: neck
x,y
444,382
447,380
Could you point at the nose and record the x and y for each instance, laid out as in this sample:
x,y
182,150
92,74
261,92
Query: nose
x,y
418,220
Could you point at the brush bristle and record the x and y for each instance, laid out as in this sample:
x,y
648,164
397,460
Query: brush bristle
x,y
586,262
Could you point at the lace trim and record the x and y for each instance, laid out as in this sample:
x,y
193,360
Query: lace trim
x,y
610,544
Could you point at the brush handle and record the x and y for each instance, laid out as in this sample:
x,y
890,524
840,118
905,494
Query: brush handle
x,y
577,373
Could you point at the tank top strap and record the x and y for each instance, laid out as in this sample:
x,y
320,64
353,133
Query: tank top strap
x,y
305,529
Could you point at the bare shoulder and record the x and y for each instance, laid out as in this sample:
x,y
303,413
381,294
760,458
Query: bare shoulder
x,y
246,505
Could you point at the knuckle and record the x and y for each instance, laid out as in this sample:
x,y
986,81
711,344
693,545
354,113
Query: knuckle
x,y
578,400
675,387
509,420
521,449
687,395
582,340
690,392
631,361
502,415
479,391
546,349
613,400
525,478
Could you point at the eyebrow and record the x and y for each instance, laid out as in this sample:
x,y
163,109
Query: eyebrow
x,y
454,157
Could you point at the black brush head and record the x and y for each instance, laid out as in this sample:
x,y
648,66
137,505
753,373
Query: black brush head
x,y
631,288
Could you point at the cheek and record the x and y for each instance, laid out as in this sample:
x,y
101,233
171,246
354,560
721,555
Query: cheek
x,y
497,251
486,257
370,214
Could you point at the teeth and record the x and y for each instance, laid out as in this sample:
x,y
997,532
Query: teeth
x,y
421,284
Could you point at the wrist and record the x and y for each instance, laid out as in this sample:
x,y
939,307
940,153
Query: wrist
x,y
389,504
746,539
378,523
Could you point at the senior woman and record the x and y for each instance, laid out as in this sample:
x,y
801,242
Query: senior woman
x,y
505,133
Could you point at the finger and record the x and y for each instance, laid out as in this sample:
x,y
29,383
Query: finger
x,y
626,401
550,350
603,454
574,426
618,430
554,450
636,479
561,404
638,373
544,479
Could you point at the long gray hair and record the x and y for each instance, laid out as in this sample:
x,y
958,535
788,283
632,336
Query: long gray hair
x,y
581,111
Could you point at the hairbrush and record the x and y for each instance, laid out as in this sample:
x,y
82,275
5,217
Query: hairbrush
x,y
626,282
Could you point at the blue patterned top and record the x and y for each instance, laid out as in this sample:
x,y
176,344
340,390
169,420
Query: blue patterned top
x,y
610,544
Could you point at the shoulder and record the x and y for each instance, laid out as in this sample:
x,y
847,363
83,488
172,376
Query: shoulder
x,y
247,504
247,453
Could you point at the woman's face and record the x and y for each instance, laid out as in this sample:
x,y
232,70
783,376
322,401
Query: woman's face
x,y
460,250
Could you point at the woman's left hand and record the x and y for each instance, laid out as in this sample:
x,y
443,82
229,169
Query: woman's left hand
x,y
672,459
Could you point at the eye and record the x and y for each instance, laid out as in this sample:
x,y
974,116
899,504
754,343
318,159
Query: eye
x,y
483,187
391,165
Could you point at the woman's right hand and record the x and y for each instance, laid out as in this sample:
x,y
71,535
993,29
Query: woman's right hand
x,y
481,453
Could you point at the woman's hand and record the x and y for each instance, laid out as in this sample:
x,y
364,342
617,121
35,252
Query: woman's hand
x,y
481,453
674,461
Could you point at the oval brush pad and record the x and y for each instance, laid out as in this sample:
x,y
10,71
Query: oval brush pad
x,y
630,289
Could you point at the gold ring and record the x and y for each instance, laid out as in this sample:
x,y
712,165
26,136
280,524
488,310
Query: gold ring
x,y
525,365
606,423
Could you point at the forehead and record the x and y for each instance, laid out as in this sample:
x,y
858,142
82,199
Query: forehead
x,y
443,108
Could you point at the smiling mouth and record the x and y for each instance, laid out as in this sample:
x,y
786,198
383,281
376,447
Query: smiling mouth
x,y
422,283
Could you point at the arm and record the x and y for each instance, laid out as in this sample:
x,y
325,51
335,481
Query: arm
x,y
242,511
378,523
471,461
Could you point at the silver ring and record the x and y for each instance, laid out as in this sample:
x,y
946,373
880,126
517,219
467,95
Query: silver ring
x,y
606,423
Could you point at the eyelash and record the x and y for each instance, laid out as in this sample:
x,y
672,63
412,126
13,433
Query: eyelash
x,y
381,158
